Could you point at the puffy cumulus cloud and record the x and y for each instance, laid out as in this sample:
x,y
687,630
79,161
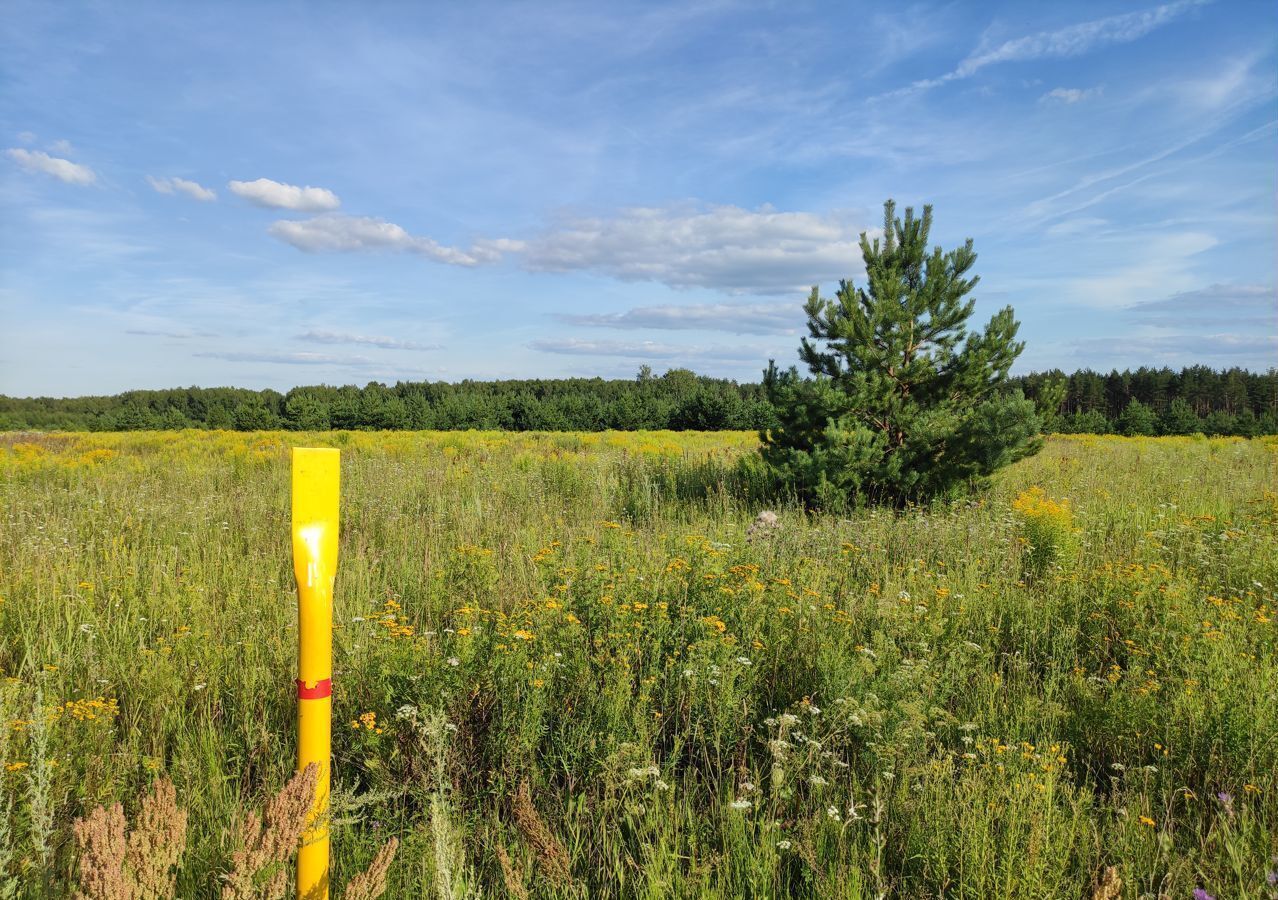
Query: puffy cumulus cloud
x,y
1069,96
349,234
61,169
320,336
726,248
276,195
182,186
736,318
647,350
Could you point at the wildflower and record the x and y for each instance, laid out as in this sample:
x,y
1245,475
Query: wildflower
x,y
1200,894
744,660
788,719
15,766
818,781
740,804
1147,821
454,661
523,634
783,845
832,812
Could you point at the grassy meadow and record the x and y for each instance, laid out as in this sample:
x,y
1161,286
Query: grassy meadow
x,y
566,665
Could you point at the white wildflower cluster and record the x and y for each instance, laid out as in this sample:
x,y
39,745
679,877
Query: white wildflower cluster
x,y
764,526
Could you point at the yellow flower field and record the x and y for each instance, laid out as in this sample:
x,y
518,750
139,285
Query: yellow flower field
x,y
566,665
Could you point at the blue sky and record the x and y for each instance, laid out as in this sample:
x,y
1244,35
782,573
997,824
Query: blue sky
x,y
272,194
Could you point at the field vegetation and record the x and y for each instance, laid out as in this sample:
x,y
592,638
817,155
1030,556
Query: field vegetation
x,y
584,665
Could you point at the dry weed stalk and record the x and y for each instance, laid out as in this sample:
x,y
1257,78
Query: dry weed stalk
x,y
551,855
510,875
1109,886
117,863
371,883
269,840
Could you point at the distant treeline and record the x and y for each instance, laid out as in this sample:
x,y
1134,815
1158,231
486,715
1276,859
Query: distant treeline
x,y
1146,401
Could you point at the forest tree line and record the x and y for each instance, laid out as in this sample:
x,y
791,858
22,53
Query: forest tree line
x,y
1146,401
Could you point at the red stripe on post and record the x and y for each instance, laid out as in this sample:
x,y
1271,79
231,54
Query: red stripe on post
x,y
323,688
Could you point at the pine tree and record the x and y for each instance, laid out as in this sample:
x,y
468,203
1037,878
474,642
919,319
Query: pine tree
x,y
905,405
1137,419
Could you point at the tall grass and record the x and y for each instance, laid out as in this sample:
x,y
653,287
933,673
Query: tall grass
x,y
567,667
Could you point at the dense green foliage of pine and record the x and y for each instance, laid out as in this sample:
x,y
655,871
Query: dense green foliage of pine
x,y
1197,399
905,404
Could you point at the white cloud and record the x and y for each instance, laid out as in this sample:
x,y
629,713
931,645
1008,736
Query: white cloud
x,y
61,169
648,350
1153,264
1070,96
302,358
159,332
1239,305
181,185
274,195
726,248
344,337
1080,225
347,234
753,318
1072,40
62,146
1231,348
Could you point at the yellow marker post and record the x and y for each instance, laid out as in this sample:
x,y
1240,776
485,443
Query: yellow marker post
x,y
316,487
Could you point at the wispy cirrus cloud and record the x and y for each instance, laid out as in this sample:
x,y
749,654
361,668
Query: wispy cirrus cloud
x,y
1228,348
61,169
1062,43
277,195
160,332
1070,96
1252,305
320,336
752,318
192,189
351,234
647,350
301,358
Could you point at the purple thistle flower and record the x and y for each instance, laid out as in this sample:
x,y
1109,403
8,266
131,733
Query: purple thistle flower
x,y
1200,894
1226,800
1272,877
